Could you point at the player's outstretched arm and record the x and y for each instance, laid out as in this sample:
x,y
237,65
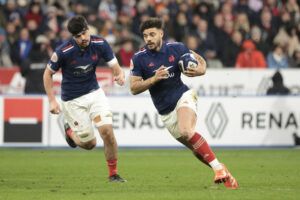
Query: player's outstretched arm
x,y
200,69
48,85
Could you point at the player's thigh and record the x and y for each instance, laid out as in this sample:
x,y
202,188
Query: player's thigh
x,y
77,116
99,109
187,110
186,121
183,118
170,122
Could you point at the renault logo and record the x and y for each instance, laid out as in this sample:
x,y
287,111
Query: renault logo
x,y
216,120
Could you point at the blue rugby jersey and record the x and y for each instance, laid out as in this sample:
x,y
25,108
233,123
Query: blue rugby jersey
x,y
165,93
78,66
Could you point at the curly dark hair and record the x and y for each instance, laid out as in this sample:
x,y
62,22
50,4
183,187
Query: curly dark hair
x,y
152,22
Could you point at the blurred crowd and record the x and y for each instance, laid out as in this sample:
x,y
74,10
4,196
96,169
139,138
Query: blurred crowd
x,y
228,33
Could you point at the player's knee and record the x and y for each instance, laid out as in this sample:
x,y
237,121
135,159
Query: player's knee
x,y
106,131
186,133
89,145
107,135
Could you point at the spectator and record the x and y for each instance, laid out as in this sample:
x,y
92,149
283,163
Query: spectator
x,y
32,27
204,9
34,13
267,25
255,36
242,24
255,5
143,12
233,45
277,58
278,87
33,67
295,60
52,21
64,36
5,60
3,20
287,34
250,57
265,22
11,11
11,33
226,11
125,53
192,43
207,44
108,10
21,48
181,26
220,35
273,6
108,31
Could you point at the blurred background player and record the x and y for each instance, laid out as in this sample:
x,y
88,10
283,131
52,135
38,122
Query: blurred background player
x,y
83,101
155,67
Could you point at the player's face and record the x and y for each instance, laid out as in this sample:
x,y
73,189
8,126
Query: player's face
x,y
153,38
83,38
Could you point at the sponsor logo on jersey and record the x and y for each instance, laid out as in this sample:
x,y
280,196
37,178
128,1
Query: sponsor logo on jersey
x,y
167,68
171,58
94,57
84,67
81,70
151,64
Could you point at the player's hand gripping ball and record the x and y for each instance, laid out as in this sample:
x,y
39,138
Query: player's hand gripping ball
x,y
187,60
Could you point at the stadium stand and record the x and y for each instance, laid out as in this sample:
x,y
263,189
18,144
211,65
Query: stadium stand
x,y
215,24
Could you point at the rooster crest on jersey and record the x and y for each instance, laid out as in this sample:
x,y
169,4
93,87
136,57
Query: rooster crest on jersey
x,y
187,60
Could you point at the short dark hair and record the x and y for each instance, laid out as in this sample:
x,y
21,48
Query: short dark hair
x,y
77,24
152,22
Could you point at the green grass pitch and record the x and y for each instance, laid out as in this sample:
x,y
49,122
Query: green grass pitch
x,y
154,174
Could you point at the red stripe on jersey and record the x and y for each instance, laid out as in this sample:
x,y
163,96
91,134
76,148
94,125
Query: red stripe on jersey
x,y
97,39
69,46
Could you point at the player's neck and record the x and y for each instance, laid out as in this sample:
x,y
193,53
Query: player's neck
x,y
158,48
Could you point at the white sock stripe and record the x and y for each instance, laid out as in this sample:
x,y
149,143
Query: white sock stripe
x,y
199,143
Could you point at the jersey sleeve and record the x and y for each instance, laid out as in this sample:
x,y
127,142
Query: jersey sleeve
x,y
182,49
106,52
136,68
54,62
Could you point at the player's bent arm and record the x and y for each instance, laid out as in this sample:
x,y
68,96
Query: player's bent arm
x,y
201,69
118,73
138,85
48,84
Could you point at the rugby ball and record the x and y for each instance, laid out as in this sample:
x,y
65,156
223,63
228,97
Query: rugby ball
x,y
187,60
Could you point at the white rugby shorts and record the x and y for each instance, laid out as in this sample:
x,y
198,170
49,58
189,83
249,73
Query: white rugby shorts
x,y
80,112
188,99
